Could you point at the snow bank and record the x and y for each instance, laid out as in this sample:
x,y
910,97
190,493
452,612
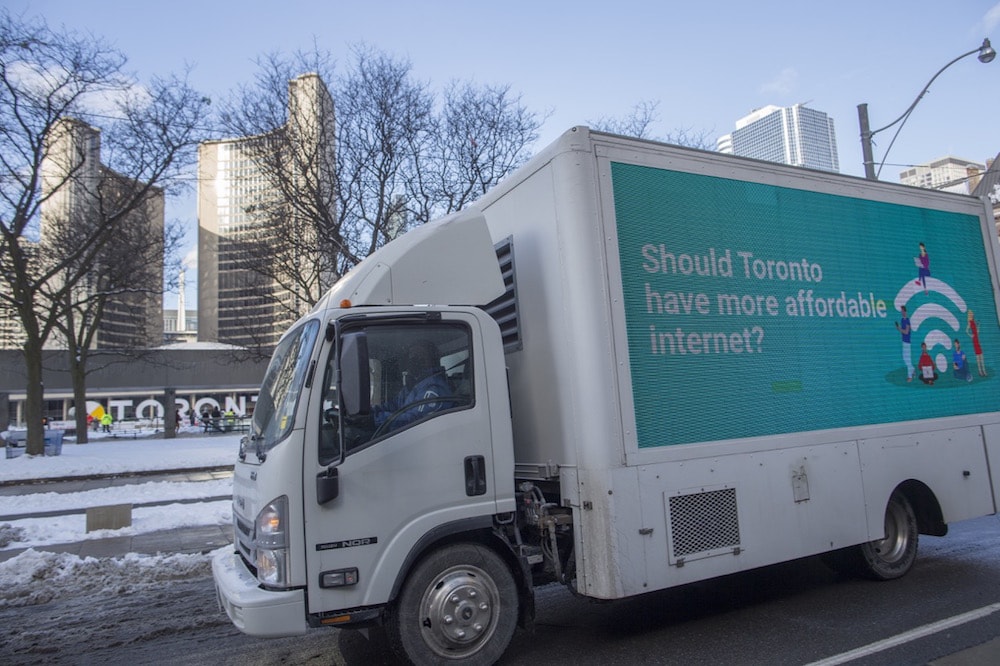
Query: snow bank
x,y
36,577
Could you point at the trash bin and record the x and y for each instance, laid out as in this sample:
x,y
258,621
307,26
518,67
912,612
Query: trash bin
x,y
53,442
14,443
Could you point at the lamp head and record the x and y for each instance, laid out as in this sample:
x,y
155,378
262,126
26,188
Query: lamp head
x,y
986,52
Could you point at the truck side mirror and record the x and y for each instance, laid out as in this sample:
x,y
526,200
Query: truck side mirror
x,y
355,378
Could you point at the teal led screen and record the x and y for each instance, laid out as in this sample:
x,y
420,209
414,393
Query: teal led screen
x,y
756,310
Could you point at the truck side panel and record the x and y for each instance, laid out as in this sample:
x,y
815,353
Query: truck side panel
x,y
563,379
715,516
952,463
991,434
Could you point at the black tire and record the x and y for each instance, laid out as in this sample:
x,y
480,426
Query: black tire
x,y
887,558
459,602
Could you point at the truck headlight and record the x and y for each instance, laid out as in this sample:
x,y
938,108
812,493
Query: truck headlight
x,y
271,543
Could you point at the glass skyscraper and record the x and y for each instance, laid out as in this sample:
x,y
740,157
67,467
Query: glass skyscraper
x,y
793,135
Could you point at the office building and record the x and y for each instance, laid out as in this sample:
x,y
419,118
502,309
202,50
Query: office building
x,y
951,174
72,179
11,330
794,135
239,204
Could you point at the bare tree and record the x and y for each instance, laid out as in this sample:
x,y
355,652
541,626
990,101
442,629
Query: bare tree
x,y
118,303
482,134
336,189
57,82
640,121
385,126
330,184
288,250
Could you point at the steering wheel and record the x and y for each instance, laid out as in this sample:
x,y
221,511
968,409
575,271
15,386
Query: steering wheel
x,y
443,402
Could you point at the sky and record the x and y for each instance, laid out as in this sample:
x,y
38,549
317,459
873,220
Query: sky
x,y
706,64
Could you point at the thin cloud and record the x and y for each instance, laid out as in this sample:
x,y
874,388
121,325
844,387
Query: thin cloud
x,y
191,258
783,83
102,100
992,18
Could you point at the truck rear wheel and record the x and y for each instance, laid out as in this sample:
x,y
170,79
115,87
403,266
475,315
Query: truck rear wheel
x,y
889,557
459,602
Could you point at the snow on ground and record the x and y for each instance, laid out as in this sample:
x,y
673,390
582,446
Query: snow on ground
x,y
114,456
35,577
133,493
30,532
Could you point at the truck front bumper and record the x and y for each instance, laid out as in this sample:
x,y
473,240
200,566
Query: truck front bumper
x,y
255,611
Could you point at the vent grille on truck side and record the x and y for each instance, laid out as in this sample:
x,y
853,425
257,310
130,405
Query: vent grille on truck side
x,y
504,309
704,523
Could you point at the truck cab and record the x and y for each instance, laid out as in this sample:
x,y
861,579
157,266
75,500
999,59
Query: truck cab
x,y
381,453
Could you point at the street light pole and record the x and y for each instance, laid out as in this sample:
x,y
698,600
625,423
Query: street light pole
x,y
986,54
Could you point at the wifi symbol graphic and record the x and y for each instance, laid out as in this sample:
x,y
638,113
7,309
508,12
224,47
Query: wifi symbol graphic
x,y
927,319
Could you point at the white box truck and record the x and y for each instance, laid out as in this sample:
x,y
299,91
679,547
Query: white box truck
x,y
629,367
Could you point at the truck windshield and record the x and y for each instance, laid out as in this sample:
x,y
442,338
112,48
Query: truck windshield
x,y
274,414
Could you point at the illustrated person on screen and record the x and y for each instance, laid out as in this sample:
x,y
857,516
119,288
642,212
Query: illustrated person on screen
x,y
959,363
928,374
426,382
973,329
923,263
903,326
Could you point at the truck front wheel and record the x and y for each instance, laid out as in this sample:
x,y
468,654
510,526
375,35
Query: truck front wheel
x,y
459,602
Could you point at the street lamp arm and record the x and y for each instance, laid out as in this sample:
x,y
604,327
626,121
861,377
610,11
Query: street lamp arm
x,y
986,54
923,92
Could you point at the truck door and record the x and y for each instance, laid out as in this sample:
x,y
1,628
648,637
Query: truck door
x,y
416,460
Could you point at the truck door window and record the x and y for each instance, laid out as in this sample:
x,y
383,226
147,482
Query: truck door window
x,y
419,371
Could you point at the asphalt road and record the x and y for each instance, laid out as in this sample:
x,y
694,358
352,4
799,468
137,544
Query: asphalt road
x,y
795,613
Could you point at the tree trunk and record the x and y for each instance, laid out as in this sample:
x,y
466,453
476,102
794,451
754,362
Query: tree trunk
x,y
77,371
34,396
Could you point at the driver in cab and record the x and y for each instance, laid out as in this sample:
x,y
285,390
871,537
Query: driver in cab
x,y
425,383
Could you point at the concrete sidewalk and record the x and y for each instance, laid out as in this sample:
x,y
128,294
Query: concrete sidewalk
x,y
191,540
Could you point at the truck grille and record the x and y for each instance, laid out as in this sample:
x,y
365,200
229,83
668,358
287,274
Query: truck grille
x,y
244,538
705,522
